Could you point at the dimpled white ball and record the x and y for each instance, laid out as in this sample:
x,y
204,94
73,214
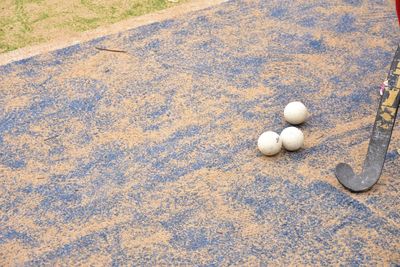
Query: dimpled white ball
x,y
292,138
295,113
269,143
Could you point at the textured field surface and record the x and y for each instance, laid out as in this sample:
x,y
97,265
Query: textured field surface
x,y
149,157
28,22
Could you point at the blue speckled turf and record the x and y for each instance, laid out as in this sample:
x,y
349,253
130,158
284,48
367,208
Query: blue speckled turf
x,y
149,157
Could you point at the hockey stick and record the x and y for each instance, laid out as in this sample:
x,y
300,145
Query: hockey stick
x,y
380,139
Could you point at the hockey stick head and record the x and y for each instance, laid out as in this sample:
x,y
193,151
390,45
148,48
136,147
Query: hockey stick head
x,y
353,182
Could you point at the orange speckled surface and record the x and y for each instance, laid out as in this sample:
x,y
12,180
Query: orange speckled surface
x,y
149,157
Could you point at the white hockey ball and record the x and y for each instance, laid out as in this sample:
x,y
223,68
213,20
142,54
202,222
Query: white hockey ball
x,y
269,143
292,138
295,113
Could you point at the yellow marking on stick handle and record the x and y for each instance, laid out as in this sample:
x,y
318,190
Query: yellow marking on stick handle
x,y
397,70
391,98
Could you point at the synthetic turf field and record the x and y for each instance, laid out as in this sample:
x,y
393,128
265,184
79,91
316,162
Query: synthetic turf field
x,y
29,22
149,157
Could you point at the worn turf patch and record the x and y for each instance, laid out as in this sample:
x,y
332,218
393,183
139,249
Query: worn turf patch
x,y
29,22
